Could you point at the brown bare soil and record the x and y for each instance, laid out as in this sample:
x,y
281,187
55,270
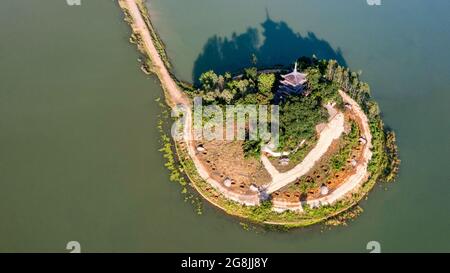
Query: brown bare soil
x,y
225,160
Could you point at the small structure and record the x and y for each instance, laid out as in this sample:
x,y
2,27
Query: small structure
x,y
283,161
362,140
324,190
200,148
293,82
268,149
227,182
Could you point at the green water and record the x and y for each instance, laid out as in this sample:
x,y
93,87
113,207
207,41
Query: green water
x,y
79,145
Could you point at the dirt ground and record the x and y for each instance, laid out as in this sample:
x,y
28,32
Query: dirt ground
x,y
225,160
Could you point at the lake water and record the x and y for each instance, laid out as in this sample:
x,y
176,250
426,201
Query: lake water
x,y
79,145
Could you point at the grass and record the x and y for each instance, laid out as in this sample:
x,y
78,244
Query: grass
x,y
350,142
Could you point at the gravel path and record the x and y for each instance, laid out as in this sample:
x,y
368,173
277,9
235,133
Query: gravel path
x,y
332,131
176,97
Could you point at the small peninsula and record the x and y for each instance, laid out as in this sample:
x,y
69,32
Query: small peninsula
x,y
332,146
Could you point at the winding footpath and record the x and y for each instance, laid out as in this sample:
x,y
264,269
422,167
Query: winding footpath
x,y
176,97
361,175
333,130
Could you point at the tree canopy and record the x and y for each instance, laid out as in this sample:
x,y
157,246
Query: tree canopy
x,y
299,114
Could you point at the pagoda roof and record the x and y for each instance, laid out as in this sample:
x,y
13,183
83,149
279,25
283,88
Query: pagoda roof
x,y
294,78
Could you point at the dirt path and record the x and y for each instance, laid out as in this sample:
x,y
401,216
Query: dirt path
x,y
332,131
352,183
176,96
356,180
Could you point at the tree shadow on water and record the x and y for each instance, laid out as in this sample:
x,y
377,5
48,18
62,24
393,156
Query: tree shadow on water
x,y
279,45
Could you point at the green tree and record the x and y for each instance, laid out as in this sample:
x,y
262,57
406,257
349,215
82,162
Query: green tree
x,y
298,118
265,83
265,86
243,86
209,80
251,74
227,95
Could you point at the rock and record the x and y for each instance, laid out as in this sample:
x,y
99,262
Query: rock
x,y
283,161
354,162
200,148
324,190
362,140
254,188
227,182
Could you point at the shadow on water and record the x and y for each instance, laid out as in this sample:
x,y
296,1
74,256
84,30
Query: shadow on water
x,y
278,45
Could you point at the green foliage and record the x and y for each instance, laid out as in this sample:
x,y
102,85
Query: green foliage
x,y
320,88
299,154
393,161
262,212
384,163
251,74
325,210
265,88
306,186
265,83
175,173
298,118
342,218
209,80
350,142
252,148
250,88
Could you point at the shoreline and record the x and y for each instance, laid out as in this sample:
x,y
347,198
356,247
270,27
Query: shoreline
x,y
174,95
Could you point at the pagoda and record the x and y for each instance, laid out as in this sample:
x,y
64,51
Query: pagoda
x,y
293,82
